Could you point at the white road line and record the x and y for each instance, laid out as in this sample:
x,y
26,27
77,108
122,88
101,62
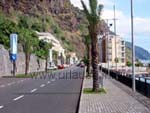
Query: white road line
x,y
33,90
1,107
53,80
48,82
9,84
15,99
42,85
21,80
2,86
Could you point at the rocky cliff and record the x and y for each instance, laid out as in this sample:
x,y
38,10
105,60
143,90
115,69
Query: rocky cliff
x,y
68,18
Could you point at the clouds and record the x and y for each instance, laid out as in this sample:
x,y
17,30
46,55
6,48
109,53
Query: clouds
x,y
77,3
141,25
141,19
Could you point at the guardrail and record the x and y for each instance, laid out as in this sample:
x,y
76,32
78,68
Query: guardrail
x,y
142,83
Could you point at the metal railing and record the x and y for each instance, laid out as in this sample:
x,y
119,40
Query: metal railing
x,y
142,82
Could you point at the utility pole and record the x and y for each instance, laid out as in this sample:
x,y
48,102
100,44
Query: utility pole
x,y
115,31
133,49
107,42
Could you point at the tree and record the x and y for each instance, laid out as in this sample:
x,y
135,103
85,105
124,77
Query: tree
x,y
29,41
45,46
129,63
87,42
7,27
93,19
139,63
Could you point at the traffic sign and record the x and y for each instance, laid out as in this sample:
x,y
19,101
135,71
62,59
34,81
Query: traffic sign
x,y
13,46
13,57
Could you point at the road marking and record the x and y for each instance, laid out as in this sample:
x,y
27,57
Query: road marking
x,y
1,107
33,90
9,84
42,85
2,86
48,82
15,99
53,80
21,80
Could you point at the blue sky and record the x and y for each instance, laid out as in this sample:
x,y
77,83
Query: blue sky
x,y
141,19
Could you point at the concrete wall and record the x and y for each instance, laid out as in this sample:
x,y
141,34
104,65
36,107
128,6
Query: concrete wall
x,y
6,65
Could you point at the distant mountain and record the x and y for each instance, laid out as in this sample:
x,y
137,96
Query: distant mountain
x,y
140,53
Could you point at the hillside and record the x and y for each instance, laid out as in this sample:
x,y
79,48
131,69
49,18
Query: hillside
x,y
140,53
56,16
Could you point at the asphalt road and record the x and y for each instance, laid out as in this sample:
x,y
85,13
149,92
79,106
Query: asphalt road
x,y
52,93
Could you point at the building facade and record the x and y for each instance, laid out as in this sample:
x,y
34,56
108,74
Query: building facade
x,y
48,37
111,50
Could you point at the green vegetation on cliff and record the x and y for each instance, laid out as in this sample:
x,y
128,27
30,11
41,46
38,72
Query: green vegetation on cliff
x,y
65,22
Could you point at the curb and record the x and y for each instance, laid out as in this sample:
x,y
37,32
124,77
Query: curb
x,y
81,96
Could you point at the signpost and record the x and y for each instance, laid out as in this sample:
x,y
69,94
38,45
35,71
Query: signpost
x,y
13,50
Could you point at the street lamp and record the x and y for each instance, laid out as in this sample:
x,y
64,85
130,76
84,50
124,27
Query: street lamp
x,y
107,34
133,49
114,8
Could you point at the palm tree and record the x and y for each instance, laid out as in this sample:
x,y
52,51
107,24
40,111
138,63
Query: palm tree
x,y
93,18
28,39
87,42
45,46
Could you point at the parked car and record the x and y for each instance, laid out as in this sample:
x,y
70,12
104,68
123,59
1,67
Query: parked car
x,y
66,65
60,66
52,66
81,64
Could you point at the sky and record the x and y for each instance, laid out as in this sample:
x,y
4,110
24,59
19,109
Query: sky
x,y
141,19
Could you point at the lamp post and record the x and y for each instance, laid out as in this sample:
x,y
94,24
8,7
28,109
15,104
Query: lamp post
x,y
115,31
107,43
133,49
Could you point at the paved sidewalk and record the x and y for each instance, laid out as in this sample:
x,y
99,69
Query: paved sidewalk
x,y
117,100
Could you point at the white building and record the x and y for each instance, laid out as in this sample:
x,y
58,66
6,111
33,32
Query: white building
x,y
48,37
110,48
73,59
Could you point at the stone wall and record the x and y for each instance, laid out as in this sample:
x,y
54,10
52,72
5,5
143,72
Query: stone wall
x,y
6,65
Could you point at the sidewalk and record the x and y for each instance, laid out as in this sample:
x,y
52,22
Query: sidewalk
x,y
119,99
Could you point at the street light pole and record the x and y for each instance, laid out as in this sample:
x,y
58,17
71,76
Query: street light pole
x,y
133,49
114,7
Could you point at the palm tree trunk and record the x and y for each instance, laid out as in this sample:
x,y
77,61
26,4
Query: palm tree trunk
x,y
89,60
94,53
27,60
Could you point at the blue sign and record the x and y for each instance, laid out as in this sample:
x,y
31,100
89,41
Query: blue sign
x,y
13,57
13,47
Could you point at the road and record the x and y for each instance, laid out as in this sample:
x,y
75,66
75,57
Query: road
x,y
45,94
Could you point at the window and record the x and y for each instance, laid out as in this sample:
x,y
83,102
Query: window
x,y
123,55
123,48
122,60
122,42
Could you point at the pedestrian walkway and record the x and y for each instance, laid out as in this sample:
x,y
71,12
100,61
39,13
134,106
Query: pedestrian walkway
x,y
118,99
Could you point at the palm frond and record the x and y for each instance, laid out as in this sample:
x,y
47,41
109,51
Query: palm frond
x,y
85,9
87,40
93,6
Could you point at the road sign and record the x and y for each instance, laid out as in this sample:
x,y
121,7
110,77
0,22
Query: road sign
x,y
13,57
13,46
